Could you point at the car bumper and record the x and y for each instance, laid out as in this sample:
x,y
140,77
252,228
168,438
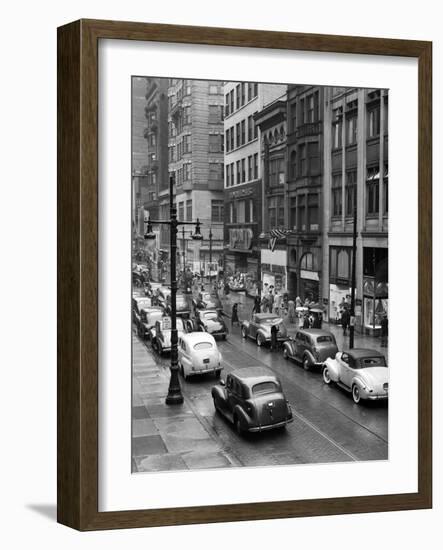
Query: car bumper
x,y
204,371
374,396
271,426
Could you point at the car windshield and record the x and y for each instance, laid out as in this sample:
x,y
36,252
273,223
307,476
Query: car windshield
x,y
324,339
265,387
211,315
379,361
202,345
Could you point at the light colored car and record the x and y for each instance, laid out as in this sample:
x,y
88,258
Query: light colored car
x,y
259,328
148,317
362,372
160,334
198,354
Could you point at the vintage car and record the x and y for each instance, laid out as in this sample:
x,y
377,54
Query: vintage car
x,y
183,306
198,354
362,372
253,400
148,317
139,302
311,347
259,328
160,334
208,320
206,300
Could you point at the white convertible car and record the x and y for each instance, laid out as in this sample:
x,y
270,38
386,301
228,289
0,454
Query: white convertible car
x,y
362,372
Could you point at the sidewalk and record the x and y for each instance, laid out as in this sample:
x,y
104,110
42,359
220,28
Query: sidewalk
x,y
168,437
245,312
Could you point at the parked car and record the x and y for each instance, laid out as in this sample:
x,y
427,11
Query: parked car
x,y
148,317
253,400
259,328
311,347
183,306
208,320
206,300
138,303
160,334
362,372
198,354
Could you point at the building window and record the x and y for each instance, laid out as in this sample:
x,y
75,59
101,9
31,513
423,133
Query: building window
x,y
293,212
250,128
351,130
309,104
373,125
350,192
187,88
302,156
255,90
237,134
232,174
293,165
243,170
238,172
172,153
255,128
250,173
314,158
214,143
228,176
217,211
187,144
256,166
337,126
243,93
186,172
372,191
189,210
276,172
215,173
308,262
243,132
181,211
337,195
227,140
231,101
293,115
276,212
227,111
237,96
301,226
233,212
313,221
187,115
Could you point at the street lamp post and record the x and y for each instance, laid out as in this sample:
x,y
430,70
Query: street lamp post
x,y
174,396
354,261
210,255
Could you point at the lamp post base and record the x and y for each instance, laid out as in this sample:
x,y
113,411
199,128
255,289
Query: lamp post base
x,y
175,398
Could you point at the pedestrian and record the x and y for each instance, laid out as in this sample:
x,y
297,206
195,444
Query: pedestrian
x,y
234,316
274,339
306,321
291,311
256,306
227,288
277,303
317,321
264,304
298,302
271,298
384,331
345,318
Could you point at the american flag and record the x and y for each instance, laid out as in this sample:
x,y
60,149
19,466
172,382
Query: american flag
x,y
275,235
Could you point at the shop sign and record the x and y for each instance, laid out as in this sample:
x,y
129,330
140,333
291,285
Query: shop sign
x,y
310,275
241,193
240,238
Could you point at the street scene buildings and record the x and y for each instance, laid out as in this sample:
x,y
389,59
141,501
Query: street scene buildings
x,y
289,186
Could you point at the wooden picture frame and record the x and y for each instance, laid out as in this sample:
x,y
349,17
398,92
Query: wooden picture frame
x,y
78,273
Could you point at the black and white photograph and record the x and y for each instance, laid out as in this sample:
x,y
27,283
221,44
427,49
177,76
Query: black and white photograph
x,y
260,291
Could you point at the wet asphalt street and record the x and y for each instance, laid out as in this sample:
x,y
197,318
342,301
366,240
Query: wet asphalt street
x,y
327,427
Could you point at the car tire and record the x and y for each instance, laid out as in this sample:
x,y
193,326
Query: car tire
x,y
306,364
215,405
238,427
243,332
285,354
356,394
259,340
182,372
326,376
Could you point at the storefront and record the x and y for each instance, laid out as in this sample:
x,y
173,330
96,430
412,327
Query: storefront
x,y
375,303
274,269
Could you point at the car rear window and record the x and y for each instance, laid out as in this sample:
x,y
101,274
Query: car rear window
x,y
203,345
211,315
322,339
265,387
373,362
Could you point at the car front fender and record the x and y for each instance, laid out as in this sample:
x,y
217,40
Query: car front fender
x,y
289,346
218,392
245,324
333,369
266,335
